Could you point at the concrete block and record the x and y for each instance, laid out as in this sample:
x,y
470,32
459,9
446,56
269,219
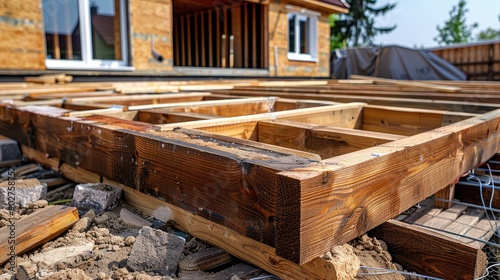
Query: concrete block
x,y
156,251
98,197
26,192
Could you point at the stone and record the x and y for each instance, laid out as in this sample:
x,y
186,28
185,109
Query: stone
x,y
82,225
26,192
133,220
99,197
9,151
40,203
7,276
156,251
51,257
345,261
130,240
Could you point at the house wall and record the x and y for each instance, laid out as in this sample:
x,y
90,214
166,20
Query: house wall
x,y
21,35
150,18
278,33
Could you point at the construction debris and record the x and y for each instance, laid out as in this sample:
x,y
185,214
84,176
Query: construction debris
x,y
21,193
156,251
98,197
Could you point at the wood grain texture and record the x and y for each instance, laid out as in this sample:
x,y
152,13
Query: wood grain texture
x,y
36,229
327,141
332,202
236,244
229,183
430,253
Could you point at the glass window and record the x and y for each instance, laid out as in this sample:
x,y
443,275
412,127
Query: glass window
x,y
85,33
302,36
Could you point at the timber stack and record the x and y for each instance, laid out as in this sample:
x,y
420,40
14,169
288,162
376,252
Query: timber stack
x,y
280,174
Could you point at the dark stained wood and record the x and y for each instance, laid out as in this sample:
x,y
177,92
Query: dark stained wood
x,y
430,253
333,202
238,36
209,171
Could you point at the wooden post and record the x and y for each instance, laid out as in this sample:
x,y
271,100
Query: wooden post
x,y
254,36
246,44
183,49
189,52
210,40
447,193
237,35
117,31
196,29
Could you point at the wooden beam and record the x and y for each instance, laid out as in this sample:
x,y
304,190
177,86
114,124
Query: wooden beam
x,y
161,117
438,88
325,141
236,244
447,193
333,202
325,115
443,105
210,40
237,29
429,253
234,185
407,121
34,230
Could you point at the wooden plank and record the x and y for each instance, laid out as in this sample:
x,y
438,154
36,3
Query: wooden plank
x,y
340,198
34,230
196,28
428,216
265,36
430,253
183,42
203,46
465,222
237,29
325,141
210,40
254,36
406,121
320,115
446,217
482,231
218,39
407,83
236,244
246,43
160,117
188,34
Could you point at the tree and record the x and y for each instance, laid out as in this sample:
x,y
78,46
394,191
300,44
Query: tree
x,y
455,29
358,26
489,34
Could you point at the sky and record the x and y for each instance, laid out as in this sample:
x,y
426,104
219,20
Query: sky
x,y
417,20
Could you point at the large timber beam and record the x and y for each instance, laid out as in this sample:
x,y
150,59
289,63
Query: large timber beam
x,y
236,244
340,198
229,183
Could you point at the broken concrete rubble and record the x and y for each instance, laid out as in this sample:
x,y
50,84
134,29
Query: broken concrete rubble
x,y
99,197
157,251
21,193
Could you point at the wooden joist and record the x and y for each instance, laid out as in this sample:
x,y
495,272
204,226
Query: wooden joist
x,y
340,198
430,253
236,244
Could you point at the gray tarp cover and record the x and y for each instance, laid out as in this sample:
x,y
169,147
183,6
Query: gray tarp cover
x,y
392,62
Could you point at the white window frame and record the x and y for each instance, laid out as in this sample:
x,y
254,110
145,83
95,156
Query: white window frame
x,y
303,14
87,62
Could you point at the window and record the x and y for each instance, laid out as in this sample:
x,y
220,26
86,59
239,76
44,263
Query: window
x,y
85,34
302,36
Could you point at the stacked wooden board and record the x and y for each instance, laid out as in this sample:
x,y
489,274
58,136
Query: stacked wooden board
x,y
280,167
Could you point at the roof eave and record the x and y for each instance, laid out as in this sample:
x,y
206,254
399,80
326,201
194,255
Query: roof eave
x,y
320,6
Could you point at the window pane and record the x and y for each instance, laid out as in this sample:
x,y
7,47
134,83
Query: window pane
x,y
304,36
62,29
105,26
291,33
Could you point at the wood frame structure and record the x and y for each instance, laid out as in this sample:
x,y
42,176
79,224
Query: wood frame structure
x,y
296,175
